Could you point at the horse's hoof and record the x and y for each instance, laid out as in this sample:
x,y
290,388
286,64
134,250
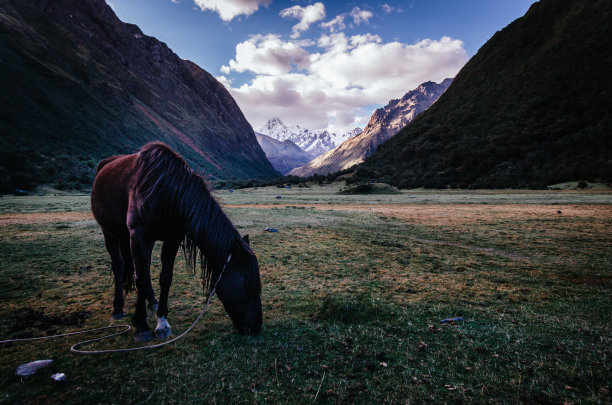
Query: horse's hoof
x,y
141,337
118,316
153,307
162,333
163,328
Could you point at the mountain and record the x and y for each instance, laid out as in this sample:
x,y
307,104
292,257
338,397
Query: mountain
x,y
384,123
284,155
313,142
78,85
530,109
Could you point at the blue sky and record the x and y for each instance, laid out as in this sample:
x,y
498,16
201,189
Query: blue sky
x,y
325,64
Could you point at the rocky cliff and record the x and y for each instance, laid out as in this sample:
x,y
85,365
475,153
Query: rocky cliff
x,y
384,123
78,85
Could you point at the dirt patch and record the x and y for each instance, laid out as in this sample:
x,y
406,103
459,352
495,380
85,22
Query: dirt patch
x,y
445,214
44,217
39,321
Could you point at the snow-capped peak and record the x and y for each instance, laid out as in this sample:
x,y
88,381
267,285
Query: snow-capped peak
x,y
313,142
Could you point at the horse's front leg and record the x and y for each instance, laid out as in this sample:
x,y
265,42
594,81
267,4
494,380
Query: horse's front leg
x,y
168,254
141,253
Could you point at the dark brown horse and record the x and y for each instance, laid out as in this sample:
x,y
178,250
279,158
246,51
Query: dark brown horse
x,y
154,195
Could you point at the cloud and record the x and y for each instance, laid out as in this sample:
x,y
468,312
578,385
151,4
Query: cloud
x,y
176,1
335,25
387,9
307,15
228,9
360,16
344,78
268,54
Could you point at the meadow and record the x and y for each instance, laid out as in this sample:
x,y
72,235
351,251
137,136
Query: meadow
x,y
354,291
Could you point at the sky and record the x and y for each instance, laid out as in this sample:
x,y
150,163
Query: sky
x,y
322,64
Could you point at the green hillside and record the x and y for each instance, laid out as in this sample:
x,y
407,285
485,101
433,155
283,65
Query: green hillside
x,y
531,108
79,85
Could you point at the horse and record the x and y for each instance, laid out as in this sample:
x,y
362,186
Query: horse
x,y
153,195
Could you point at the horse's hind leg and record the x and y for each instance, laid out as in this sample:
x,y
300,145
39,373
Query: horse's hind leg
x,y
117,264
126,252
168,255
141,254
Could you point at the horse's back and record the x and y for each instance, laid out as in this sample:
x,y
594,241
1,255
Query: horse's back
x,y
110,192
106,161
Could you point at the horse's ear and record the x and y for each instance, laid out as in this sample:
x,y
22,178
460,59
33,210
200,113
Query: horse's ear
x,y
245,238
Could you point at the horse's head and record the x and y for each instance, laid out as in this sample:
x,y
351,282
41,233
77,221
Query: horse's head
x,y
240,288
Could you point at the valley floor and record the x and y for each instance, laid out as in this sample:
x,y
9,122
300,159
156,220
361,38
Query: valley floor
x,y
354,289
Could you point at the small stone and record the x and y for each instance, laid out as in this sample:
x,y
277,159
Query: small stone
x,y
59,376
28,369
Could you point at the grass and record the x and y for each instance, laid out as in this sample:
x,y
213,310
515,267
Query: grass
x,y
354,290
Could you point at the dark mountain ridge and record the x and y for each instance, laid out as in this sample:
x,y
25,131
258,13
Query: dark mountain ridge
x,y
531,108
79,85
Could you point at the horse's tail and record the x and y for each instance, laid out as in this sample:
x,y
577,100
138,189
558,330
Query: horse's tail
x,y
129,284
128,279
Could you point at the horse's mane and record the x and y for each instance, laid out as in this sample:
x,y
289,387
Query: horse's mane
x,y
164,180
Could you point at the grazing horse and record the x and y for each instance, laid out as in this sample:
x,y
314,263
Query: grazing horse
x,y
154,195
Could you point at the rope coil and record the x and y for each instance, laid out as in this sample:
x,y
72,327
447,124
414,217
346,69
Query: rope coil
x,y
74,348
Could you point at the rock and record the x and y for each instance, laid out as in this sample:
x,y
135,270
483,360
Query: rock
x,y
28,369
451,320
59,376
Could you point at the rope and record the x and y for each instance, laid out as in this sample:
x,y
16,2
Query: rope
x,y
74,348
128,328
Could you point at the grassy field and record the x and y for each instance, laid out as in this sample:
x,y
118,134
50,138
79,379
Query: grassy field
x,y
354,289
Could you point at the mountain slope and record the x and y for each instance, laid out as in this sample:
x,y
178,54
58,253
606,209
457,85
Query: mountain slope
x,y
78,85
313,142
284,155
531,108
384,123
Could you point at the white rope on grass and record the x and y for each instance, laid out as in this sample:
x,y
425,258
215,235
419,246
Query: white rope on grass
x,y
74,349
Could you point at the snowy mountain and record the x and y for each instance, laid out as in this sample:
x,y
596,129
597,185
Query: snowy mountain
x,y
313,142
284,155
385,123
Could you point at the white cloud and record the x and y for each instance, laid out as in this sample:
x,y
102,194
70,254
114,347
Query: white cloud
x,y
387,9
176,1
228,9
360,16
335,25
343,79
307,15
267,55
